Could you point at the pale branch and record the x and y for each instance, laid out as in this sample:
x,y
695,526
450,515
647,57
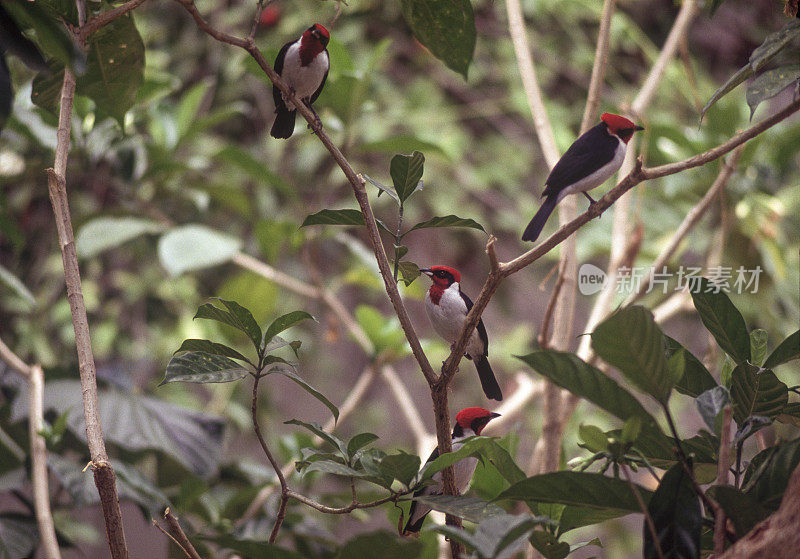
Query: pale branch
x,y
179,535
105,18
651,527
599,66
689,221
544,332
723,478
104,476
354,504
256,18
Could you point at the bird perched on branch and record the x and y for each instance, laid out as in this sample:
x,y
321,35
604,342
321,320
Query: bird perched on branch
x,y
303,64
589,162
469,422
447,309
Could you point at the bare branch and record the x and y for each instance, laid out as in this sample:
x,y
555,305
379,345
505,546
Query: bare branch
x,y
105,18
599,66
723,471
180,536
346,509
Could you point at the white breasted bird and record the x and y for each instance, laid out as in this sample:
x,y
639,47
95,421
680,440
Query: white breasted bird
x,y
447,309
469,422
589,162
303,64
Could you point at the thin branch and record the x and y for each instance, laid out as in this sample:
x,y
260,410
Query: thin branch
x,y
170,536
257,18
105,18
346,509
723,466
651,527
544,333
12,360
599,66
180,536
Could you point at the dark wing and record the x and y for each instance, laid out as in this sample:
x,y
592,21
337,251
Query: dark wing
x,y
585,156
480,328
417,526
322,83
276,93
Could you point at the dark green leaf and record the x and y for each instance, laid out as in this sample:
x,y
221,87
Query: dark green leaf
x,y
577,489
308,388
103,233
409,272
710,405
12,41
741,75
577,517
399,252
51,36
767,483
593,438
773,44
631,429
469,508
333,468
360,441
548,545
335,217
769,84
284,322
788,350
315,428
448,221
758,346
208,346
402,466
756,393
571,373
696,378
446,27
201,367
500,536
790,414
254,549
631,341
236,316
193,247
751,425
406,172
676,514
380,545
722,319
740,508
383,188
277,343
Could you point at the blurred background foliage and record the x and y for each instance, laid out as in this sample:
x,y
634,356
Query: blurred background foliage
x,y
196,179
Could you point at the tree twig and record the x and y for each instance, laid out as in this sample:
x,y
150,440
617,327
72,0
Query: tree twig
x,y
105,18
723,465
180,536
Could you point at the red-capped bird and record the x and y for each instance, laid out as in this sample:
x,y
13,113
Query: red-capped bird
x,y
589,162
447,309
469,422
303,64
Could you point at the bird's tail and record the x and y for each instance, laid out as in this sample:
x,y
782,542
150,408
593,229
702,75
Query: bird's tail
x,y
284,123
536,225
488,380
416,517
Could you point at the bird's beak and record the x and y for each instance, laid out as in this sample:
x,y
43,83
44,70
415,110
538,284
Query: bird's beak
x,y
427,271
638,127
494,414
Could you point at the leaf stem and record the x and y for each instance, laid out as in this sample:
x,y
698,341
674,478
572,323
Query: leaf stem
x,y
397,239
651,527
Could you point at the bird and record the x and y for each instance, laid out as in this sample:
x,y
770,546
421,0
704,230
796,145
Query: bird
x,y
469,422
589,162
303,64
447,307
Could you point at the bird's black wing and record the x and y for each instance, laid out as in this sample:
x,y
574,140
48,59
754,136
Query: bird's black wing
x,y
480,327
417,526
322,83
276,93
586,155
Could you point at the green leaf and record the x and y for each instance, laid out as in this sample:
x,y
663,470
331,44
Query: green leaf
x,y
335,217
788,350
769,84
13,42
193,247
384,332
578,489
447,221
499,536
51,35
207,346
315,428
201,367
308,388
283,323
253,549
710,405
406,172
403,467
756,393
676,514
750,427
254,167
399,252
631,341
790,414
332,468
571,373
723,320
758,346
549,546
740,508
741,75
381,544
381,189
409,272
237,316
103,233
767,484
15,284
357,442
446,27
696,379
469,508
593,438
631,429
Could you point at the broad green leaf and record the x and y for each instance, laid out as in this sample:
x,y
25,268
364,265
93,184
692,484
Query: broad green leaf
x,y
333,468
357,442
468,448
308,388
402,466
381,544
208,346
571,373
15,284
741,75
446,28
676,514
188,110
769,84
103,233
13,42
400,144
756,393
500,537
384,332
577,489
740,508
201,367
448,221
236,315
758,346
723,320
315,428
788,350
710,404
593,438
51,35
406,172
631,341
285,322
469,508
576,517
790,414
409,272
696,378
767,484
399,252
485,447
549,546
381,189
631,429
193,247
335,217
